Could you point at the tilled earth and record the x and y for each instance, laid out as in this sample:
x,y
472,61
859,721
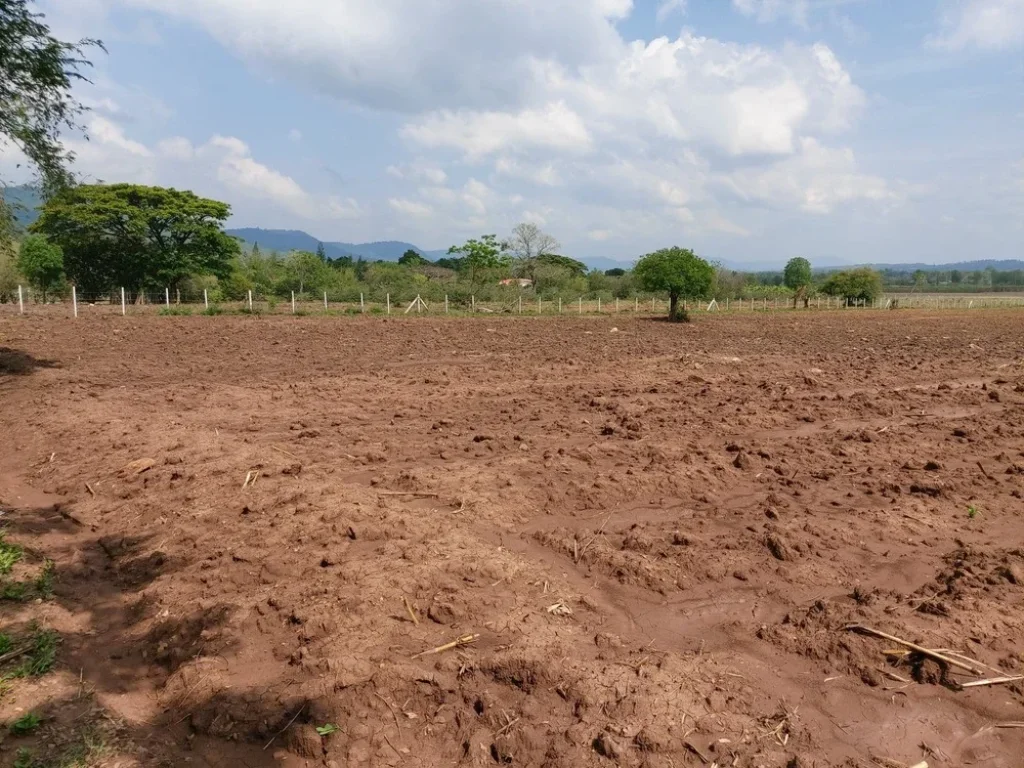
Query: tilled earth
x,y
644,543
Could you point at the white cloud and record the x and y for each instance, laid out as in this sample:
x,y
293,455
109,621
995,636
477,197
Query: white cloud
x,y
419,170
410,207
816,180
667,8
108,133
295,135
986,24
372,52
543,174
553,126
769,10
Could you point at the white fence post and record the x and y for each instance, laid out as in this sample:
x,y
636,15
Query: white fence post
x,y
581,305
21,302
446,303
206,298
520,303
472,303
250,301
540,309
124,308
559,305
167,296
636,304
74,299
389,303
599,305
293,302
362,304
325,301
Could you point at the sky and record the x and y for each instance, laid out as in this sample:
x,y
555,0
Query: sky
x,y
844,131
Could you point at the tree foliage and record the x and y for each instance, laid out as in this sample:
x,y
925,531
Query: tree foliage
x,y
679,271
135,236
37,72
854,284
42,264
528,244
412,258
480,255
797,277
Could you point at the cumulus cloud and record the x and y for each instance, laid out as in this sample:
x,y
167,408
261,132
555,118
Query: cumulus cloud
x,y
410,207
985,24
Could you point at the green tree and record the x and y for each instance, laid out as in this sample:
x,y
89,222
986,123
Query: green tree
x,y
859,284
412,258
135,236
680,272
483,254
320,252
37,73
304,270
615,272
42,264
797,277
920,279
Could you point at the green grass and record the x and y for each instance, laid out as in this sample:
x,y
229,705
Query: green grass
x,y
9,554
44,581
14,590
327,729
25,724
5,643
23,759
41,656
176,311
972,512
212,310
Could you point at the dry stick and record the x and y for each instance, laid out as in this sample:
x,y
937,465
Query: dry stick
x,y
993,681
456,643
409,493
914,647
274,737
286,453
591,541
89,489
412,614
690,746
393,713
984,471
15,653
1009,725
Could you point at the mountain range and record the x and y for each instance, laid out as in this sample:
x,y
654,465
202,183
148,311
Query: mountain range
x,y
295,240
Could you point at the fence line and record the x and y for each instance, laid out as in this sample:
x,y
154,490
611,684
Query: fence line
x,y
305,304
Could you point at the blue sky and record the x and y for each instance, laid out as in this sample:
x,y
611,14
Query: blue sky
x,y
750,130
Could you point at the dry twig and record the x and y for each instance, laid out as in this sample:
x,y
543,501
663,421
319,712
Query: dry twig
x,y
287,726
412,614
418,494
993,681
456,643
949,662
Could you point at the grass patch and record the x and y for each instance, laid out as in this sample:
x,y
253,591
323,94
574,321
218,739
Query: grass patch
x,y
25,724
213,309
9,554
176,311
247,311
14,590
5,643
44,581
40,656
24,759
88,750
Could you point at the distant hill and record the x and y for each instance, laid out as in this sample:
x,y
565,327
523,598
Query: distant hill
x,y
1000,265
296,240
25,201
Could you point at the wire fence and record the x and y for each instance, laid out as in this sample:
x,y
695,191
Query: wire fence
x,y
182,303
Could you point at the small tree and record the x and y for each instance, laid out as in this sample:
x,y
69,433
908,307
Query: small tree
x,y
485,253
854,285
797,277
528,244
42,264
320,252
680,272
412,258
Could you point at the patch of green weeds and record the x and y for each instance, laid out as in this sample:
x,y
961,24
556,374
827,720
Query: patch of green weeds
x,y
9,554
41,655
176,311
5,643
14,590
25,724
327,729
972,512
24,759
213,309
44,581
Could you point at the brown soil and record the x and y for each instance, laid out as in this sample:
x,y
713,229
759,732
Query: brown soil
x,y
659,534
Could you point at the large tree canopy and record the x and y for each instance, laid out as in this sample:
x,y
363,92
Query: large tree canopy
x,y
679,271
797,277
861,284
136,237
42,264
479,255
